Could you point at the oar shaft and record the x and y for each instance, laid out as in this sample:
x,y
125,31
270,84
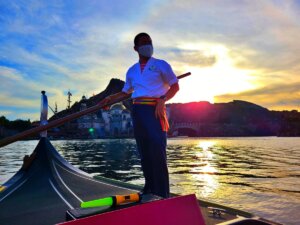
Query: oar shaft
x,y
184,75
55,123
63,120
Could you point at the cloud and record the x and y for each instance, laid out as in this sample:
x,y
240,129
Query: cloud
x,y
269,29
61,45
6,113
9,73
188,57
17,112
278,96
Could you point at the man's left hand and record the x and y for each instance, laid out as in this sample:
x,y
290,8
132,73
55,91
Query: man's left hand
x,y
160,108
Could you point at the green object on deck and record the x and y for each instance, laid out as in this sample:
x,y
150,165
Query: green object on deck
x,y
98,203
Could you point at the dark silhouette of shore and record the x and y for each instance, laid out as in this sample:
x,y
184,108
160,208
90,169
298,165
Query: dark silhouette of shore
x,y
236,118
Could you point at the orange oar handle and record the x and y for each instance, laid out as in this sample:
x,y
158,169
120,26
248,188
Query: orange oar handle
x,y
125,199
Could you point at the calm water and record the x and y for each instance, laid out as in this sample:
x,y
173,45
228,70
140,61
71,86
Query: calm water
x,y
259,175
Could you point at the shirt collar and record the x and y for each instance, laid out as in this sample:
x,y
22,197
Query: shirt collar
x,y
149,61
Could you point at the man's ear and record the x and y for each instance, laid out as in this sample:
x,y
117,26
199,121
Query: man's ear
x,y
135,48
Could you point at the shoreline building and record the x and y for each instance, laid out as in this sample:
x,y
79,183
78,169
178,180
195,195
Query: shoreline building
x,y
115,122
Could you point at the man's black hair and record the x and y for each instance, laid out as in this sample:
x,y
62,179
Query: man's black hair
x,y
138,36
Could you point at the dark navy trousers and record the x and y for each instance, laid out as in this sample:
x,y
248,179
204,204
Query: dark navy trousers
x,y
151,144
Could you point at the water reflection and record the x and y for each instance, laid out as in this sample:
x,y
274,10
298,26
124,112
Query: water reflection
x,y
204,173
260,175
205,145
110,158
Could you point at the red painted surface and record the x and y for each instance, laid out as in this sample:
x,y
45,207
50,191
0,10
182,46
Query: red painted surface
x,y
173,211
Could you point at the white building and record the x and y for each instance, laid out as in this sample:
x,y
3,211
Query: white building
x,y
115,122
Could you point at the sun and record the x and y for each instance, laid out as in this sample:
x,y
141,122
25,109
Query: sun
x,y
223,77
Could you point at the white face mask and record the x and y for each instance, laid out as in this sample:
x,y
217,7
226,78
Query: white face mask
x,y
146,50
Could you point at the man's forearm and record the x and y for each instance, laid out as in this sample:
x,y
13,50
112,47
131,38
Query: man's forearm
x,y
172,91
160,107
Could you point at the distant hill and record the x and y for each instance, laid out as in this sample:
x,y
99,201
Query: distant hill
x,y
114,86
236,118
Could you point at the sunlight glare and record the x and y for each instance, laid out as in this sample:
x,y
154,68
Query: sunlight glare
x,y
205,145
222,77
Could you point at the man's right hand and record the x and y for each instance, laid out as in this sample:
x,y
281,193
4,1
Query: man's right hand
x,y
113,98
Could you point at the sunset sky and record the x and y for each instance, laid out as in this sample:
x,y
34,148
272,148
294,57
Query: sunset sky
x,y
247,50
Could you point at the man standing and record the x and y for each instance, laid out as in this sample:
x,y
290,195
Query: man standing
x,y
152,82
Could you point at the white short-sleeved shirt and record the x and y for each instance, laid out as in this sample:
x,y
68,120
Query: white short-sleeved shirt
x,y
154,81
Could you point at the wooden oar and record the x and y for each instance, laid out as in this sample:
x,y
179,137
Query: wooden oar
x,y
63,120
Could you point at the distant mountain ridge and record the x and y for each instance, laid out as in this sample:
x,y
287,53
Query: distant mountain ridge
x,y
236,118
114,86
